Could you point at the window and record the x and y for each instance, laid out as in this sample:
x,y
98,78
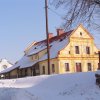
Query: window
x,y
77,49
37,67
35,56
89,67
81,33
45,52
43,69
69,52
78,67
61,40
98,67
25,72
4,66
87,50
66,66
53,68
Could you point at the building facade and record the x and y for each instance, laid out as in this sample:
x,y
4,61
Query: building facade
x,y
70,52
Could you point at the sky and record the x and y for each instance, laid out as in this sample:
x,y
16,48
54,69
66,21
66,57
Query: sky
x,y
21,23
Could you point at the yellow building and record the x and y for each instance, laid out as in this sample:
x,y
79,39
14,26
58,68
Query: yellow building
x,y
70,52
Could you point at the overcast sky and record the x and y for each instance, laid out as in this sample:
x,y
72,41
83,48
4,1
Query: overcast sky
x,y
21,23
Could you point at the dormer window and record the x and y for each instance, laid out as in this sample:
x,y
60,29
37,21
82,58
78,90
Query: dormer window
x,y
50,45
4,66
35,56
61,40
45,53
81,33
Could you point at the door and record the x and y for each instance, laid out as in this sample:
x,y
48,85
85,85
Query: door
x,y
34,71
78,67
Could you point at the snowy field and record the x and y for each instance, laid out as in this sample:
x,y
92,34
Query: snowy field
x,y
80,86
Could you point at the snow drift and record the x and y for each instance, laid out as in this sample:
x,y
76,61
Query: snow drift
x,y
77,86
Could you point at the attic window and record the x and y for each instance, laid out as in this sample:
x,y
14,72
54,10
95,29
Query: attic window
x,y
61,40
4,66
50,45
35,56
81,33
45,52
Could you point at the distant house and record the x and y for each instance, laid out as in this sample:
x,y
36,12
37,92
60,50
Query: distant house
x,y
70,52
4,64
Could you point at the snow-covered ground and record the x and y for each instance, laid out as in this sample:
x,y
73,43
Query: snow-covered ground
x,y
77,86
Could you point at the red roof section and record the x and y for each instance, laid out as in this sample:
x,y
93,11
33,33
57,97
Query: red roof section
x,y
55,38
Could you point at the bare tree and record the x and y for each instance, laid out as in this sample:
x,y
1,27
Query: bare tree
x,y
79,11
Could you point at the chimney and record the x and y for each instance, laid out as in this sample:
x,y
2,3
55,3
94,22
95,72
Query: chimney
x,y
50,35
59,32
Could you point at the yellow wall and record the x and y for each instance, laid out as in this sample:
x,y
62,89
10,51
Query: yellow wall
x,y
68,55
13,73
42,53
72,65
44,63
28,71
72,58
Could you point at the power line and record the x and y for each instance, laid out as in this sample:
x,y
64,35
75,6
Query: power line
x,y
97,44
50,2
56,13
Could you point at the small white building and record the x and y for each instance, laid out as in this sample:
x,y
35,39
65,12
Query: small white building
x,y
4,64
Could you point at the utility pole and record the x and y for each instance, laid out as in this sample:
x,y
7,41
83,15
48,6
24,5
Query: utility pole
x,y
47,35
99,61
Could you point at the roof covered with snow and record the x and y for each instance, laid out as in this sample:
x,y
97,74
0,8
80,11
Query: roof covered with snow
x,y
4,63
41,45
